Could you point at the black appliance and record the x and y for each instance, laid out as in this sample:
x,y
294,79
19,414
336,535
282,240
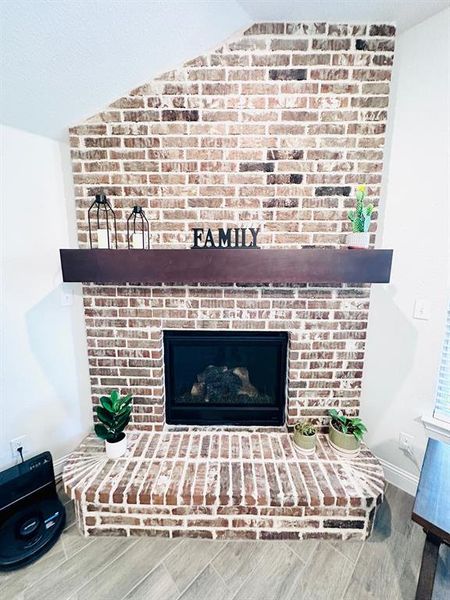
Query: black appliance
x,y
225,377
31,514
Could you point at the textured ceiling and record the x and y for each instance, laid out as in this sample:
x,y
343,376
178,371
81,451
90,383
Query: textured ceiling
x,y
63,61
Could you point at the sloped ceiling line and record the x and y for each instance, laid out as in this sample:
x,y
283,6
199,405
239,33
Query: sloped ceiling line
x,y
64,61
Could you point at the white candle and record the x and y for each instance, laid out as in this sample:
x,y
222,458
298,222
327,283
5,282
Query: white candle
x,y
102,238
137,241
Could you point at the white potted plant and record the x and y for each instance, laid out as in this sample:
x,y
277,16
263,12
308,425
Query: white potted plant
x,y
360,218
305,437
114,415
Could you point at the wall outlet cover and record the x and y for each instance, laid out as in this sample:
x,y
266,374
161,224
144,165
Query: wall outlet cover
x,y
406,441
19,442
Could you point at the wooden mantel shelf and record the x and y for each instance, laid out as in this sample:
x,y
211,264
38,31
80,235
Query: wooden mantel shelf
x,y
308,265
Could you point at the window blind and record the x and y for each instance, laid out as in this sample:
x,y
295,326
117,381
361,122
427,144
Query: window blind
x,y
442,409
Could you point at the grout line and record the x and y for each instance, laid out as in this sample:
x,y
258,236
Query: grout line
x,y
249,574
360,551
160,562
57,566
354,564
327,542
306,563
350,577
312,553
198,574
219,576
191,582
73,525
124,551
297,579
302,560
168,573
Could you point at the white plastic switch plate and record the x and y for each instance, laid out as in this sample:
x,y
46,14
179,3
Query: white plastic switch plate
x,y
421,310
18,442
405,441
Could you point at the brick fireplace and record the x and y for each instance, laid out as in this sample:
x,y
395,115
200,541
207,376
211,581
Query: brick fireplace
x,y
272,129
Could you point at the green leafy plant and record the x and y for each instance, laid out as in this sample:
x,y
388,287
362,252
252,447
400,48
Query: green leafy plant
x,y
361,216
114,415
351,425
305,428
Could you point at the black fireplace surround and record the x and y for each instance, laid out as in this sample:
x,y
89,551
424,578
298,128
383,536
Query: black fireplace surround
x,y
225,377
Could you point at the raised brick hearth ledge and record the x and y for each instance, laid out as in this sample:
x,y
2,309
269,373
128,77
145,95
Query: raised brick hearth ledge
x,y
223,484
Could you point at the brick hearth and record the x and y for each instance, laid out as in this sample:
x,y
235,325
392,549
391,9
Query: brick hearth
x,y
223,485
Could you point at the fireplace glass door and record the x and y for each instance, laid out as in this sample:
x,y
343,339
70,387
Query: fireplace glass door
x,y
225,378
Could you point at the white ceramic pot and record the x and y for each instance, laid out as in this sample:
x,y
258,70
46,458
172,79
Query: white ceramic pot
x,y
116,449
358,240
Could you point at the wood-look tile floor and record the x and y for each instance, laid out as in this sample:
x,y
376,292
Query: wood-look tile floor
x,y
385,567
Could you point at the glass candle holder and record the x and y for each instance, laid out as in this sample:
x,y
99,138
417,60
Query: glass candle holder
x,y
102,214
138,230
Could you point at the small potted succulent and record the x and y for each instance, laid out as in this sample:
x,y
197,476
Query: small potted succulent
x,y
305,437
360,219
114,415
345,433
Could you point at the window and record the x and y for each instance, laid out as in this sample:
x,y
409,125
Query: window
x,y
442,409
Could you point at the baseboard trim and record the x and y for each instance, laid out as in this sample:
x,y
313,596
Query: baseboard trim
x,y
399,477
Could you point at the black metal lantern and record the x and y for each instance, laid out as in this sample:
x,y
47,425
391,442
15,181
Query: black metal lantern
x,y
102,210
139,239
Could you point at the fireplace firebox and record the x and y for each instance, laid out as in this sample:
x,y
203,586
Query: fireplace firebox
x,y
225,378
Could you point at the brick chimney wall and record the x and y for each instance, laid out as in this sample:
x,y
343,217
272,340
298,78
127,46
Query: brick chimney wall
x,y
274,128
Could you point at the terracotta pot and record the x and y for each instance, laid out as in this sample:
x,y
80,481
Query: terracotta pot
x,y
358,240
346,442
116,449
305,443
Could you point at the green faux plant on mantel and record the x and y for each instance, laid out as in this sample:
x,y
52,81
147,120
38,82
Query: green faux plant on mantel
x,y
114,415
346,433
305,436
360,218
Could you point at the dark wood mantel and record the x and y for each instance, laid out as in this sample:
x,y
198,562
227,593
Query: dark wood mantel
x,y
308,265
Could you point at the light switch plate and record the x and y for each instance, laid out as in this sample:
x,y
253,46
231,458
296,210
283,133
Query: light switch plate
x,y
421,310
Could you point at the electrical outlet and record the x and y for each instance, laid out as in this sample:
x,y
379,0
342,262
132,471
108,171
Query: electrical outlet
x,y
19,442
405,441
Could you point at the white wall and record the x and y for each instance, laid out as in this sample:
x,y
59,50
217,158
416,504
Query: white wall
x,y
44,381
44,385
403,353
62,62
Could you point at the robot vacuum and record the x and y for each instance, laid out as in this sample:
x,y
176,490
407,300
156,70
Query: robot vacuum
x,y
32,516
